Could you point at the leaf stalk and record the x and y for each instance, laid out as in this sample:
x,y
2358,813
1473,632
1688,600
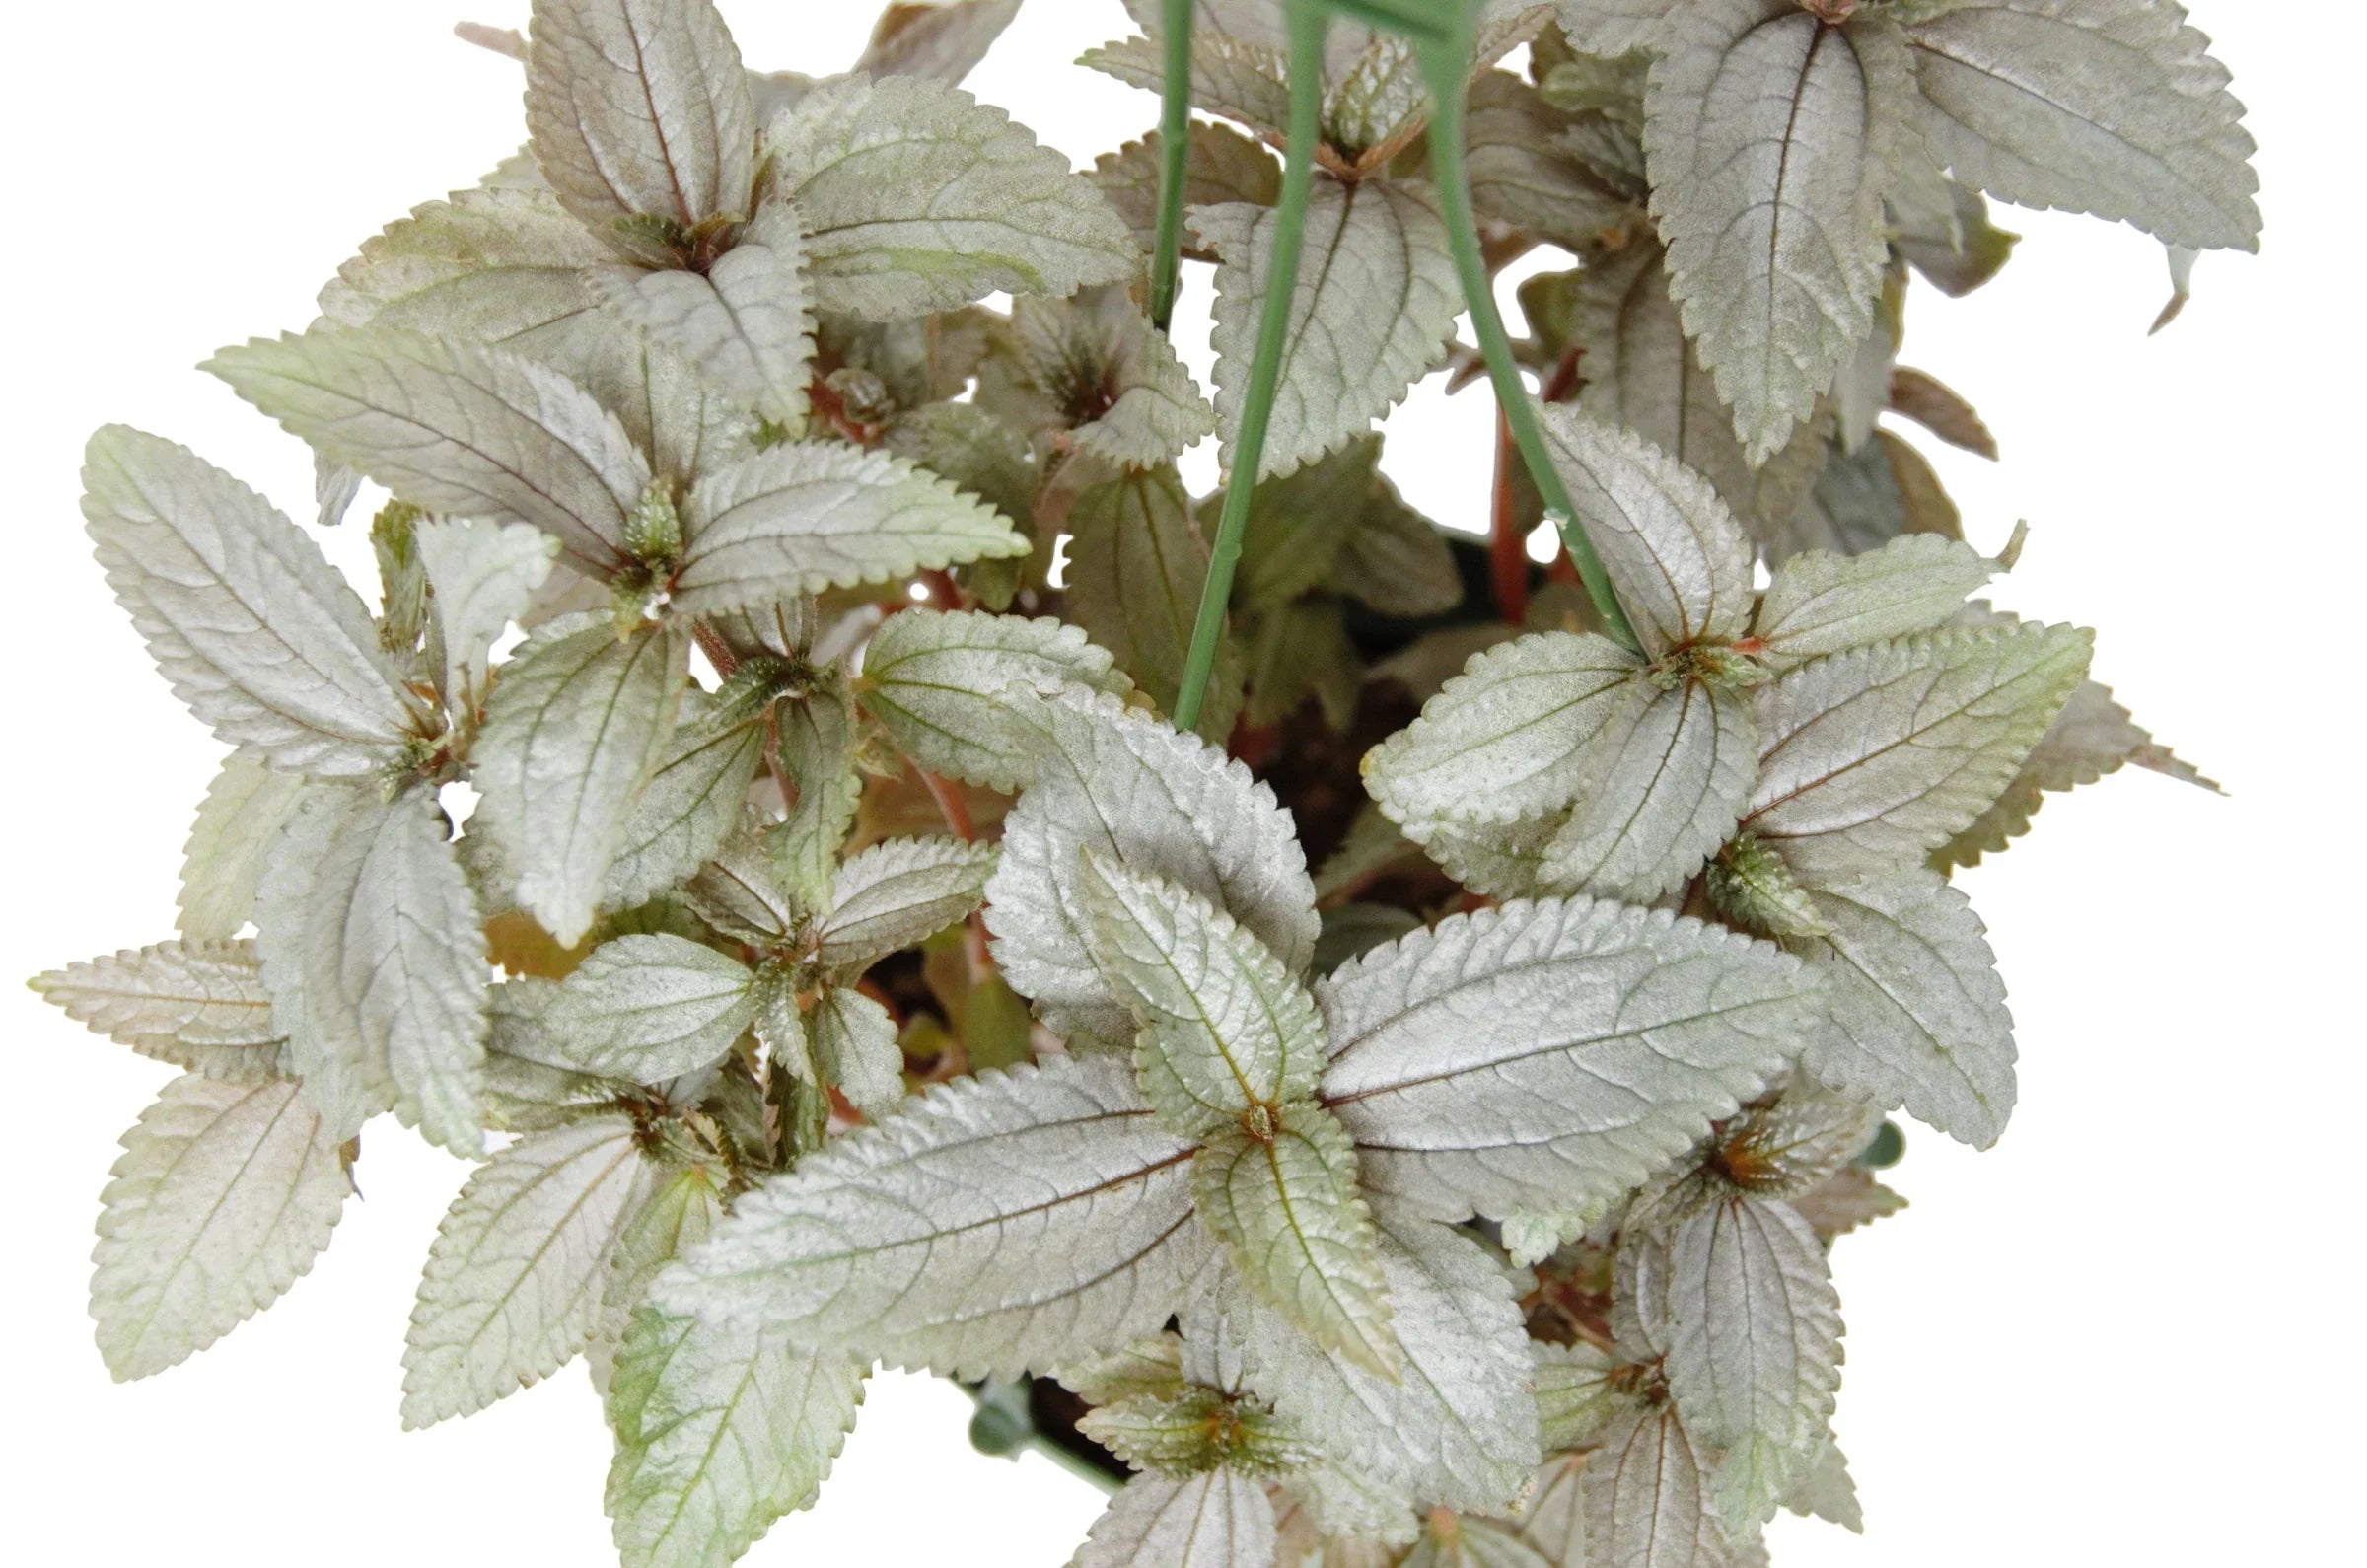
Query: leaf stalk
x,y
1174,150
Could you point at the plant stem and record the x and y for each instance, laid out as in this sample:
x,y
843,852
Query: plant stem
x,y
1174,150
1308,21
1443,64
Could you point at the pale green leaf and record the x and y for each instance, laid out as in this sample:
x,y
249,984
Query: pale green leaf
x,y
242,811
246,618
745,323
855,1048
579,723
817,753
493,267
1217,1519
682,421
1918,1015
1543,1054
1576,1392
1148,1368
691,803
1821,603
1377,298
897,894
454,428
225,1194
373,952
650,1008
999,1222
198,1005
1770,136
2114,107
640,108
1129,787
719,1432
484,575
815,515
1227,1031
915,198
1136,566
1667,782
1873,757
940,684
681,1209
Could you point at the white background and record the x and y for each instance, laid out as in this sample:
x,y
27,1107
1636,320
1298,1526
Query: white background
x,y
2128,1333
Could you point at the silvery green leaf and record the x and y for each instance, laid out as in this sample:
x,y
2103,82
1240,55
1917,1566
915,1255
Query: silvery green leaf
x,y
1094,365
683,422
745,323
1640,1303
1543,1054
816,752
454,428
1680,563
225,1194
1872,757
1227,1031
1524,178
244,808
1350,929
739,893
1245,80
1496,861
1287,1209
915,198
1136,565
2114,107
1466,1541
1643,374
1576,1396
1821,603
513,1284
1750,887
650,1008
246,618
1191,1431
1220,165
640,108
1129,787
484,575
1458,1423
940,40
1918,1013
1553,1520
1824,1490
1148,1368
682,1208
1941,227
854,1044
1370,1524
2092,737
1217,1519
719,1432
1376,296
1610,28
1800,1140
529,1088
1668,782
691,803
1512,736
999,1222
491,267
1770,136
940,682
1647,1504
898,894
1755,1347
374,955
198,1005
815,515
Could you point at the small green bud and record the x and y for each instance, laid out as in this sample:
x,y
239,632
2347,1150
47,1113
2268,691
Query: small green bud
x,y
401,576
654,531
1886,1149
1001,1425
1713,664
1750,885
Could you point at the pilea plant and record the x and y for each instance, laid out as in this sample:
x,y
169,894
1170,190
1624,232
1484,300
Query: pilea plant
x,y
868,915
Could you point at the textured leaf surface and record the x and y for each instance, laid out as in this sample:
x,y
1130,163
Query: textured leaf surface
x,y
372,953
1127,787
692,800
1873,757
915,198
454,428
1918,1013
2109,106
1821,603
816,515
581,720
513,1280
198,1005
246,619
1000,1222
941,39
941,685
1647,1497
650,1008
1376,298
898,894
1286,1208
1668,782
1543,1054
244,810
1220,165
719,1432
1458,1424
1136,566
744,323
490,265
640,107
854,1044
1680,563
1095,366
1755,1347
484,575
1226,1030
223,1197
1770,136
1217,1519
